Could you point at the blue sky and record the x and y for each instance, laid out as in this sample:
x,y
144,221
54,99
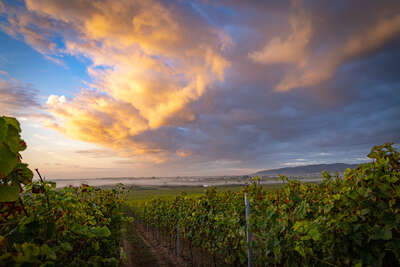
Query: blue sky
x,y
20,60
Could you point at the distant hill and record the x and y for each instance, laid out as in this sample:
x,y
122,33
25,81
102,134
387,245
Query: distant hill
x,y
307,170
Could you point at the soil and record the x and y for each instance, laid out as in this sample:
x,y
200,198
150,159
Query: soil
x,y
142,250
136,251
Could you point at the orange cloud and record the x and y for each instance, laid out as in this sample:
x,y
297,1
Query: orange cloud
x,y
99,119
183,153
294,48
149,61
372,38
317,71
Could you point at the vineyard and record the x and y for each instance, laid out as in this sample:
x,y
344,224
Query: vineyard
x,y
353,221
42,226
349,221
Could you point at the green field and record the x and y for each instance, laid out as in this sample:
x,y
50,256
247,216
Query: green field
x,y
143,193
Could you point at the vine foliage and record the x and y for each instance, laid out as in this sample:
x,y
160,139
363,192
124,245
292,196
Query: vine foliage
x,y
42,226
13,172
343,221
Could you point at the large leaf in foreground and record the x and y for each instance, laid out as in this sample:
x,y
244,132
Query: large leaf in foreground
x,y
8,160
8,193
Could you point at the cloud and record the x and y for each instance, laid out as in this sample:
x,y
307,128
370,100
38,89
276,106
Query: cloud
x,y
313,68
16,98
313,74
21,100
21,23
2,7
372,38
96,153
149,61
97,118
54,100
294,48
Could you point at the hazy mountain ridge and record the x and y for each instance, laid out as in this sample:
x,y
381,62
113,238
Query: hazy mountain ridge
x,y
307,169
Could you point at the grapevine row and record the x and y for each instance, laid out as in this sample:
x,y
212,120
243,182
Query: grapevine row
x,y
350,221
44,226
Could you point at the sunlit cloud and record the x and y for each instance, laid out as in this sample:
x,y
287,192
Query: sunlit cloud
x,y
149,61
314,68
317,71
293,48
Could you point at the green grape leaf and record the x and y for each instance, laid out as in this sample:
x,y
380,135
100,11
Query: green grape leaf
x,y
30,250
13,122
50,184
48,252
80,229
51,227
12,139
8,160
101,231
3,129
9,193
25,175
5,256
66,246
387,234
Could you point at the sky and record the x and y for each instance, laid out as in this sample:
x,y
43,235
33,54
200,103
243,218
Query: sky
x,y
165,88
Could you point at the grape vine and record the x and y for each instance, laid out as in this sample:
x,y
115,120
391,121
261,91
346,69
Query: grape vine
x,y
42,226
350,221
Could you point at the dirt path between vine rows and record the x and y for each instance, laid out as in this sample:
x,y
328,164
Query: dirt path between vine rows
x,y
127,247
137,253
165,257
142,250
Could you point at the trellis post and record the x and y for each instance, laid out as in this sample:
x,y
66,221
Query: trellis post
x,y
248,233
178,239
